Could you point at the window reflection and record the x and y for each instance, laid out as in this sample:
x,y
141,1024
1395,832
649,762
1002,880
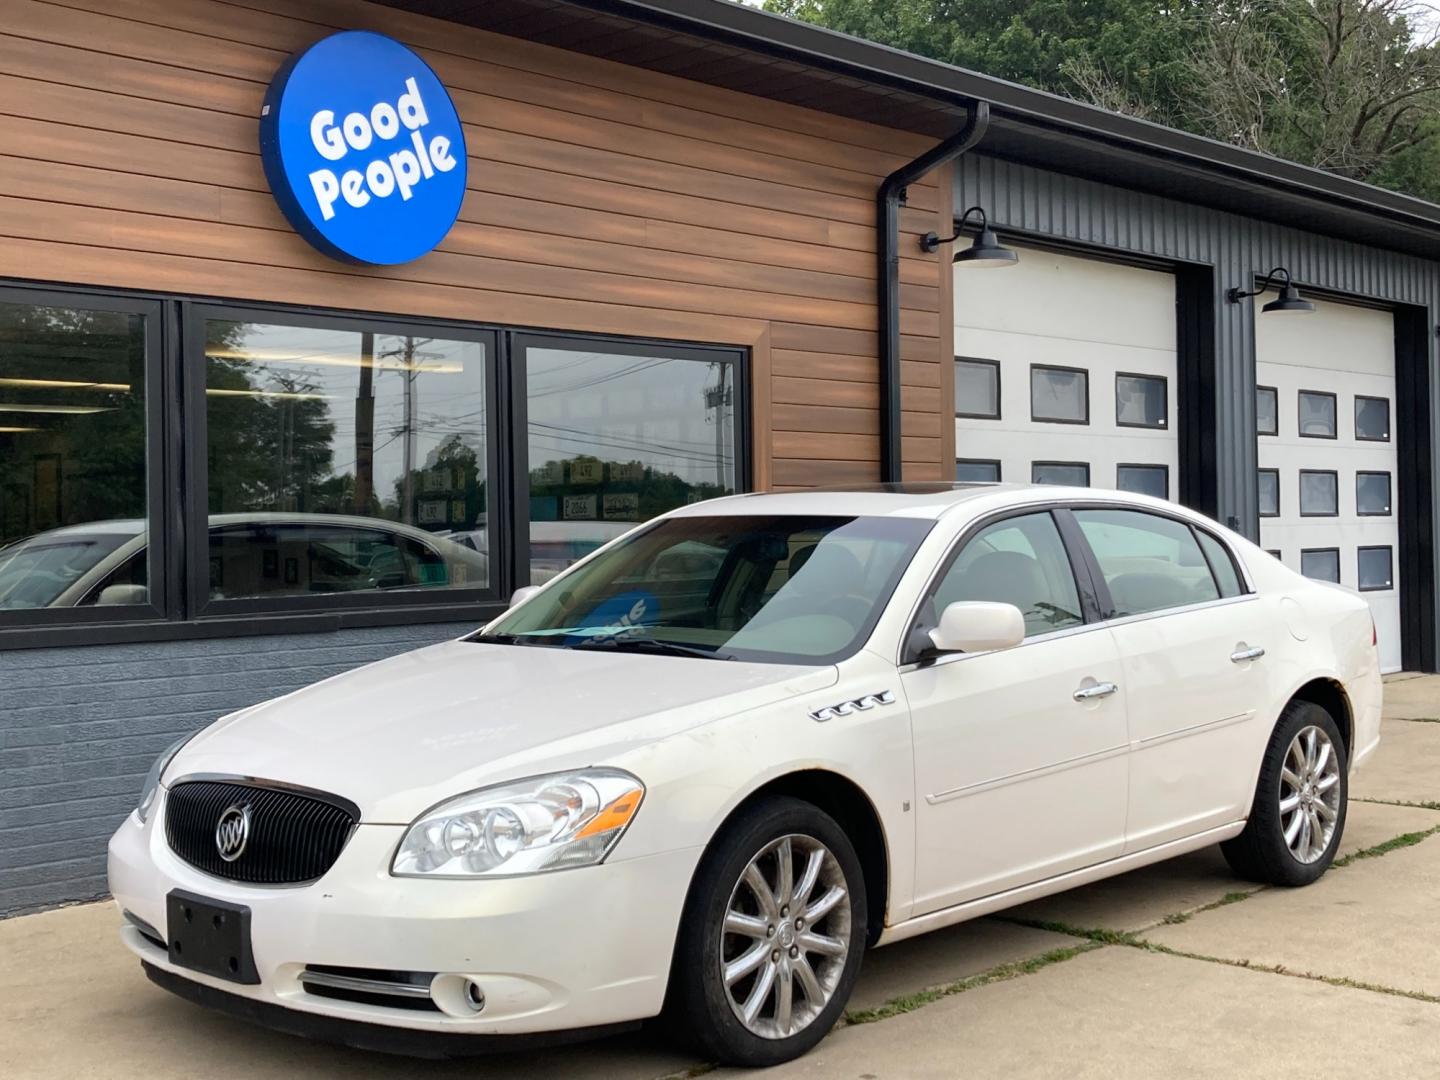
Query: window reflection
x,y
615,439
344,460
72,455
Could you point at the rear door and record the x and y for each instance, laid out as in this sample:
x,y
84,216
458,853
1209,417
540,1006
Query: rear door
x,y
1017,777
1191,643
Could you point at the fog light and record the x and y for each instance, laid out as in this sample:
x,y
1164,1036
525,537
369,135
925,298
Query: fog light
x,y
474,995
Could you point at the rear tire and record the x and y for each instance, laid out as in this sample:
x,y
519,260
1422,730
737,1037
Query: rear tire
x,y
772,935
1298,815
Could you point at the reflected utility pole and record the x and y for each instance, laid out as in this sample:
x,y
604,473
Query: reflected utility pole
x,y
407,372
365,427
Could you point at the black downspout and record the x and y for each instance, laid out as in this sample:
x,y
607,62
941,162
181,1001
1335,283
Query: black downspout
x,y
889,199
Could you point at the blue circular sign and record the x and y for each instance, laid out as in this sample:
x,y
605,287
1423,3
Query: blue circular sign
x,y
363,149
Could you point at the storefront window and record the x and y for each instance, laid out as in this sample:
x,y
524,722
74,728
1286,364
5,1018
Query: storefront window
x,y
344,459
617,436
73,477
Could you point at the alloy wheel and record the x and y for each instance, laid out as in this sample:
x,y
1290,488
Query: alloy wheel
x,y
1309,794
786,936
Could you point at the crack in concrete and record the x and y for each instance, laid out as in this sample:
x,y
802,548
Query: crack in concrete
x,y
905,1003
1281,969
1395,843
1426,805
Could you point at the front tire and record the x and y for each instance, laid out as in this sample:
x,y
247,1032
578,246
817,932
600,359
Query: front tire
x,y
772,935
1298,816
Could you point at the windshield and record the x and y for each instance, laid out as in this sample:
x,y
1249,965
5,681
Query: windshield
x,y
33,573
777,589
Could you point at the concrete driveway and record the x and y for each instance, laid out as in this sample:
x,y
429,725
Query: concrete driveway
x,y
1177,970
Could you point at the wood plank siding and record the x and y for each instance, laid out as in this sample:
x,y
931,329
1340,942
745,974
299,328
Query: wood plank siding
x,y
602,198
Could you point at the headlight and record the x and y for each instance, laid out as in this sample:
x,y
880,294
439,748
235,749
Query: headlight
x,y
545,823
152,778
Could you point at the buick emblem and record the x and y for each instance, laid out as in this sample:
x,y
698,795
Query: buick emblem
x,y
232,832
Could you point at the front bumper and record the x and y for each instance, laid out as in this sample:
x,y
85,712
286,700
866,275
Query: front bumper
x,y
574,949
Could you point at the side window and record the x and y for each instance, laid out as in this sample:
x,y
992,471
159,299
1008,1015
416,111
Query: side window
x,y
1221,564
1149,562
1019,561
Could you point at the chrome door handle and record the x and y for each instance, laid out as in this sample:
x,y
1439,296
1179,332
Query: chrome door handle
x,y
1239,656
1098,690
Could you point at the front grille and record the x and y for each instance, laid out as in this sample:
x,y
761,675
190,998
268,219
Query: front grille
x,y
293,837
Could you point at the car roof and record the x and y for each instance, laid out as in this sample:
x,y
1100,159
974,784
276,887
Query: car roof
x,y
925,499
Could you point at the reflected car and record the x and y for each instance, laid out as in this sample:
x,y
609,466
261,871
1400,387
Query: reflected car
x,y
709,766
255,554
554,545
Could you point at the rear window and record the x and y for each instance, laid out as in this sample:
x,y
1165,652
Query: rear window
x,y
1150,563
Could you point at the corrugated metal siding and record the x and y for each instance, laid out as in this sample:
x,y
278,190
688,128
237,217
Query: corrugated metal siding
x,y
1046,205
82,726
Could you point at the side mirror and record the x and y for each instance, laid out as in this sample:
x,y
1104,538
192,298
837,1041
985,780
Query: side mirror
x,y
978,626
123,594
520,595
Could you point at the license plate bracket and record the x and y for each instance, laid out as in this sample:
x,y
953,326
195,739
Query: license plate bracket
x,y
210,936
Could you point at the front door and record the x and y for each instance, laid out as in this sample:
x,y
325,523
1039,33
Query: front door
x,y
1192,644
1017,778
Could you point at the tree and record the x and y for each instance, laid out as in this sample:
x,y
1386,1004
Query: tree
x,y
1345,85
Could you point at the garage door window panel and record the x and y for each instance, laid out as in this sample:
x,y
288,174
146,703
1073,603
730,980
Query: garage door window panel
x,y
977,388
1059,395
80,488
1267,411
1375,570
1372,494
1067,473
1319,493
1021,561
1141,401
347,462
1267,483
1144,479
1149,562
1372,418
1322,564
1318,415
977,470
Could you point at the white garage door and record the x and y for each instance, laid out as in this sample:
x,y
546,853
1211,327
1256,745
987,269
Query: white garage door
x,y
1325,406
1065,373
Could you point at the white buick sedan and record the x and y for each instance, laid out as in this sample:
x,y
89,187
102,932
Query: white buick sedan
x,y
707,766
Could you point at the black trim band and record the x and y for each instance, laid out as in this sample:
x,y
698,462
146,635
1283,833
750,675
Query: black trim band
x,y
436,1045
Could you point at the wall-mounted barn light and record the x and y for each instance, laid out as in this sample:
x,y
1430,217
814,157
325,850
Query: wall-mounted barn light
x,y
1289,299
984,251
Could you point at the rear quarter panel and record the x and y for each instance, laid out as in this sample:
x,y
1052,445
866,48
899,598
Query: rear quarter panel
x,y
1318,631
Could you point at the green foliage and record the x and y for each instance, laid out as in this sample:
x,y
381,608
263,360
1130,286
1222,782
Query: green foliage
x,y
1347,85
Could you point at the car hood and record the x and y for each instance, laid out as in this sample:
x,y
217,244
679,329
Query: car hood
x,y
398,736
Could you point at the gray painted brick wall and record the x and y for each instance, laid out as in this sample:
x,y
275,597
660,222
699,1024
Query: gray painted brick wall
x,y
79,728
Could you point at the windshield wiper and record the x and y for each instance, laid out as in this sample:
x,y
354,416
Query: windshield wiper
x,y
511,639
651,645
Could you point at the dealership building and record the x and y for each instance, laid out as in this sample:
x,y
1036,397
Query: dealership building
x,y
315,344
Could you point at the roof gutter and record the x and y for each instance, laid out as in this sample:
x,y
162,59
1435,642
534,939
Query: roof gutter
x,y
888,200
